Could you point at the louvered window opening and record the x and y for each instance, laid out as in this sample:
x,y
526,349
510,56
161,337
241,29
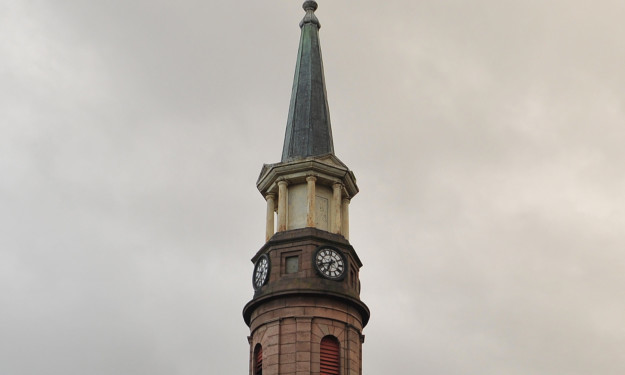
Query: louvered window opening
x,y
258,361
330,361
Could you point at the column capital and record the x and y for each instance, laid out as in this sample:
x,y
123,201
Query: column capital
x,y
311,177
270,196
282,181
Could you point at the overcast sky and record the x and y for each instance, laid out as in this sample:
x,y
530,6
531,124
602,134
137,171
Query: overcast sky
x,y
487,136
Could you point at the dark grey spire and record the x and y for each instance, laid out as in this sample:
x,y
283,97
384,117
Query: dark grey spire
x,y
308,130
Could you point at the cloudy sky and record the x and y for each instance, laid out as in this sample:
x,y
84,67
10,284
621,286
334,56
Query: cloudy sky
x,y
487,137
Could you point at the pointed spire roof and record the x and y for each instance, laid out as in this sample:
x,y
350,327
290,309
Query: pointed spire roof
x,y
308,130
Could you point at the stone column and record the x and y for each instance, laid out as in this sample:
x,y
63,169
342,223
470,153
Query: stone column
x,y
282,195
271,207
336,208
345,218
310,214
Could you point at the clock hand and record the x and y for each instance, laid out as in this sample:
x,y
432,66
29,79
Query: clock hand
x,y
325,266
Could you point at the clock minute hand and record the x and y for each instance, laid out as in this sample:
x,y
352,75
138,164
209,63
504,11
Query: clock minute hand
x,y
325,264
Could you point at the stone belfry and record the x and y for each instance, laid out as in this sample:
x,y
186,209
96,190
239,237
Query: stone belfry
x,y
306,316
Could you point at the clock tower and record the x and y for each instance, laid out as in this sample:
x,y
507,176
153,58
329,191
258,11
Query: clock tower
x,y
306,316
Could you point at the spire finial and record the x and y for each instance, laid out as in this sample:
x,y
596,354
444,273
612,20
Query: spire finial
x,y
310,6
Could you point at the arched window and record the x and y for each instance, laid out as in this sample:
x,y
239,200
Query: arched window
x,y
330,359
258,360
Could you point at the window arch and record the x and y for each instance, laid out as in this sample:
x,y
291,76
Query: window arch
x,y
329,356
258,360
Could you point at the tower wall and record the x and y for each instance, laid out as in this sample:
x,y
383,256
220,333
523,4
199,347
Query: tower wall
x,y
297,206
290,332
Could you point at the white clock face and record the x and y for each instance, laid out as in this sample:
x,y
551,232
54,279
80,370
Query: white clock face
x,y
261,272
330,263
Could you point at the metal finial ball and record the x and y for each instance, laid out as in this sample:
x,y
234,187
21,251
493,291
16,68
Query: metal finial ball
x,y
310,5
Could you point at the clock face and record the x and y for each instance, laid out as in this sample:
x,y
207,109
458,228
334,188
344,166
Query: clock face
x,y
330,263
261,272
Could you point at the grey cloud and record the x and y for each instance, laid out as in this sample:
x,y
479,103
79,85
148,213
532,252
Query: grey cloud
x,y
486,138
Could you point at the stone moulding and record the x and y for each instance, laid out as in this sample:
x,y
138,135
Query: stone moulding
x,y
328,170
360,306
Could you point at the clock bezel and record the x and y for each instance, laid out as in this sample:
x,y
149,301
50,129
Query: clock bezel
x,y
340,253
264,256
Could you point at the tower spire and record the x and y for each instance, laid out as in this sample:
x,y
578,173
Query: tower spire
x,y
308,130
306,315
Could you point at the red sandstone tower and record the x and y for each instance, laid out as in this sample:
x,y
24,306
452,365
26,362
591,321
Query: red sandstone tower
x,y
306,316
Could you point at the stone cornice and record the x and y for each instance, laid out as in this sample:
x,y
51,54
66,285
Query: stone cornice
x,y
328,170
360,306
